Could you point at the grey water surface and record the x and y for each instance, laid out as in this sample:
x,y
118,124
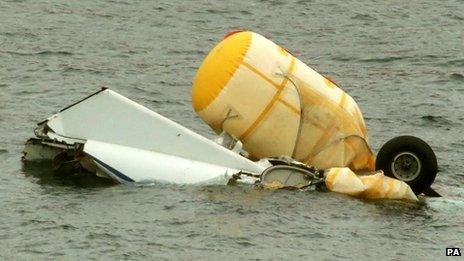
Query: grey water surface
x,y
403,61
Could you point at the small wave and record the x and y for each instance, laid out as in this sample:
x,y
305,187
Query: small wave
x,y
180,222
245,243
20,33
103,15
344,59
68,227
75,69
168,207
119,2
385,59
25,92
42,53
456,17
151,92
168,83
177,51
174,102
193,235
217,11
104,235
437,120
364,17
305,2
457,62
433,56
457,77
457,144
273,2
38,221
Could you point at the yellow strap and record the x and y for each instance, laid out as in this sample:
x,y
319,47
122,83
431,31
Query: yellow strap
x,y
288,105
260,74
270,104
270,81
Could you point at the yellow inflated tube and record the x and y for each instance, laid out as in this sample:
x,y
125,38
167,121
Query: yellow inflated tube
x,y
276,105
374,186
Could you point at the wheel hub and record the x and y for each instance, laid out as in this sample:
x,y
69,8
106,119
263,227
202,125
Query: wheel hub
x,y
406,166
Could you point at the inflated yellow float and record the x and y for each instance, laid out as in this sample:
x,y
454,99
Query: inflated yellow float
x,y
373,186
276,105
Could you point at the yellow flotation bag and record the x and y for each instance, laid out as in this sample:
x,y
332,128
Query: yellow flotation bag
x,y
276,105
374,186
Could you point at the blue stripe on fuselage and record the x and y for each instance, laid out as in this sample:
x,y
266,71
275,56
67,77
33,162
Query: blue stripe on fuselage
x,y
112,170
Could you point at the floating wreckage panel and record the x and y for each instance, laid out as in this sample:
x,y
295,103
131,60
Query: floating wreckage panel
x,y
130,143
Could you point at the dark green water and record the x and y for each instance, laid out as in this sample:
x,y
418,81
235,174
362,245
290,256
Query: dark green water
x,y
403,61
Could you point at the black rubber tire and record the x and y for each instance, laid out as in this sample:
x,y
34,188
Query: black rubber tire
x,y
411,144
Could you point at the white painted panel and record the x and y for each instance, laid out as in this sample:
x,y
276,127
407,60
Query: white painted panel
x,y
111,118
126,164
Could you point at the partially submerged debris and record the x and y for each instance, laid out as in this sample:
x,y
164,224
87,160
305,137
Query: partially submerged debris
x,y
375,185
262,108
